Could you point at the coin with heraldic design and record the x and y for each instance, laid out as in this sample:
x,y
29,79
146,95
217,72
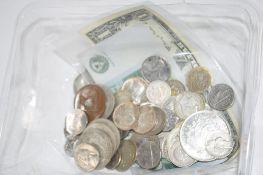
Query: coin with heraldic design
x,y
177,87
91,99
198,79
137,88
155,68
221,97
195,131
125,116
158,91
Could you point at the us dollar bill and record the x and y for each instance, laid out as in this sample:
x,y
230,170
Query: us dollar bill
x,y
162,29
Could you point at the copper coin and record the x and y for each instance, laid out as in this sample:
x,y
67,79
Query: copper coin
x,y
91,99
198,79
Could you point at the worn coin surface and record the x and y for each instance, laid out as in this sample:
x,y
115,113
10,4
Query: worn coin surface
x,y
170,120
198,79
128,155
221,97
159,122
219,144
137,88
91,99
146,120
122,96
125,116
148,155
158,91
186,104
75,123
115,161
195,130
110,102
177,87
155,68
87,156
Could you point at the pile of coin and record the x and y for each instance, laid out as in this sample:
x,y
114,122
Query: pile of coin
x,y
152,120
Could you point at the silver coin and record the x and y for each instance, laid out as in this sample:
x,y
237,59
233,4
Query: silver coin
x,y
187,103
170,120
87,157
195,130
177,87
82,80
122,96
75,123
163,144
110,102
158,91
137,88
219,144
155,68
221,97
68,147
148,155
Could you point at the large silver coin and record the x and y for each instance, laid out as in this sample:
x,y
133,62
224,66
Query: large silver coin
x,y
148,155
158,91
110,102
195,130
170,120
137,88
75,123
155,68
221,97
177,87
87,156
185,104
219,144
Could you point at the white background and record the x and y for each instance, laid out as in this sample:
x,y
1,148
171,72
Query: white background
x,y
9,10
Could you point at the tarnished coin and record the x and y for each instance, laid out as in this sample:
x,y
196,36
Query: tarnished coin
x,y
110,102
158,91
159,122
122,96
68,147
75,123
115,161
155,68
170,120
137,88
146,120
128,155
91,99
221,97
186,104
177,87
125,116
87,157
219,144
198,79
148,155
195,130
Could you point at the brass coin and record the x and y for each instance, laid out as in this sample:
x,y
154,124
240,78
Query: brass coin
x,y
125,116
198,79
128,155
177,87
91,99
115,161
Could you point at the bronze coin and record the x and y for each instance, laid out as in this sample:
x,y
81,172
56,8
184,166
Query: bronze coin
x,y
91,99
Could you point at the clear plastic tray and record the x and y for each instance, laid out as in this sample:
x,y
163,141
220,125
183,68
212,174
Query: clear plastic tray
x,y
38,88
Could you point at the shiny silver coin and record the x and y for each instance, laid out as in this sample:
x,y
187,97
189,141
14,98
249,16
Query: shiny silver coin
x,y
148,155
155,68
219,144
170,120
137,88
195,130
87,157
68,147
110,102
221,97
177,87
75,123
158,91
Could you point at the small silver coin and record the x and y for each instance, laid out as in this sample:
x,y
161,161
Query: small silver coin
x,y
148,155
82,80
221,97
75,123
137,88
155,68
110,102
170,120
195,130
158,91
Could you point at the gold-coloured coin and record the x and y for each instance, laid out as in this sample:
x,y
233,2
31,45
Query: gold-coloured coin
x,y
198,79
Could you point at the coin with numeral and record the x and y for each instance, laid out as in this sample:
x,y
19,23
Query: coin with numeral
x,y
155,68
